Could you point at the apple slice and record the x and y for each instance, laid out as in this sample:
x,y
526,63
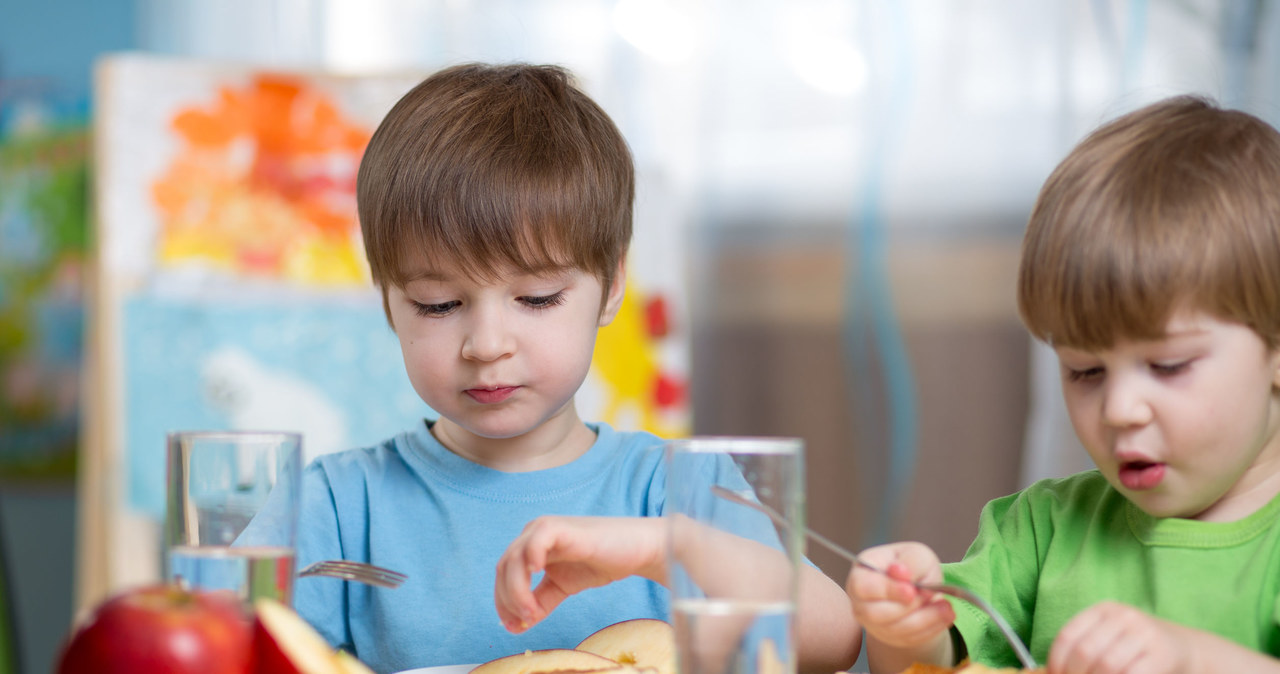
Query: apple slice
x,y
548,660
642,642
284,643
350,665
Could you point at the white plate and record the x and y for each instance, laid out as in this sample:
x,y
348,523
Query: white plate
x,y
443,669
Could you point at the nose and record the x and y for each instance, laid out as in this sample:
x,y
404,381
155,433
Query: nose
x,y
1125,404
488,337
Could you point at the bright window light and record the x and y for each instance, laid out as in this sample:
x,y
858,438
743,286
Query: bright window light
x,y
662,29
816,45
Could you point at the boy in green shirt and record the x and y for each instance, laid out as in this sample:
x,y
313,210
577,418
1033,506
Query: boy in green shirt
x,y
1151,265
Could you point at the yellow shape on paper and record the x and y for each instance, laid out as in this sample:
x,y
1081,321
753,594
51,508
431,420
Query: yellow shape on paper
x,y
626,358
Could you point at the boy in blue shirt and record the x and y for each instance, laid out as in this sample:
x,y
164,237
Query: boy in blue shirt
x,y
495,203
1151,265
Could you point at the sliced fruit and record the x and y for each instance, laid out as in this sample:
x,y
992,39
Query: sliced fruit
x,y
350,665
284,643
549,660
642,642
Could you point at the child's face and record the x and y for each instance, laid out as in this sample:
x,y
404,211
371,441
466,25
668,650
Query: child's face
x,y
1183,426
499,360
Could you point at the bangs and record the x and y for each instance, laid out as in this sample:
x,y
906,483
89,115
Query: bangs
x,y
513,230
1115,266
1172,206
1092,294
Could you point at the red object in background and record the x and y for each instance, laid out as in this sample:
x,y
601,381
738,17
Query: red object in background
x,y
162,628
657,321
667,391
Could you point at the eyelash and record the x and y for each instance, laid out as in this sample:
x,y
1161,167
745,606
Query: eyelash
x,y
1082,375
540,302
534,302
1161,369
1170,369
433,310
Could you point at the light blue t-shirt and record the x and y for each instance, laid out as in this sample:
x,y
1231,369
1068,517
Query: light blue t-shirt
x,y
411,505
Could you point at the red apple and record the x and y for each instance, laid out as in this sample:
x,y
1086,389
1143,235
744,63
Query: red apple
x,y
161,628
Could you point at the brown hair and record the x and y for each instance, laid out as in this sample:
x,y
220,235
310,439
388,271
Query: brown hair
x,y
1173,205
488,166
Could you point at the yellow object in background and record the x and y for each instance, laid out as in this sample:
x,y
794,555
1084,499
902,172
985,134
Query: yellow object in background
x,y
642,391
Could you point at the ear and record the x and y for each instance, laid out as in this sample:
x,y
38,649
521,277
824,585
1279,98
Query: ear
x,y
613,300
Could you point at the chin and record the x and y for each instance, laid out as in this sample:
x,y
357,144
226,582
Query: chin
x,y
1162,508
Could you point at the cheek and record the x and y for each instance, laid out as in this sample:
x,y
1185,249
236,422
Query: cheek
x,y
419,357
1082,409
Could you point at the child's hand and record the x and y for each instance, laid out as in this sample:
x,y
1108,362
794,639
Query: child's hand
x,y
911,623
1109,638
576,553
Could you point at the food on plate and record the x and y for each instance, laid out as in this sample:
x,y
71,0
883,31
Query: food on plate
x,y
161,628
549,660
284,643
966,668
642,642
639,646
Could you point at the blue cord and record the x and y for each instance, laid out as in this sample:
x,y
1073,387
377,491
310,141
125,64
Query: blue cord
x,y
869,299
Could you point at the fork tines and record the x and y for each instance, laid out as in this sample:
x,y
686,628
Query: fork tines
x,y
357,571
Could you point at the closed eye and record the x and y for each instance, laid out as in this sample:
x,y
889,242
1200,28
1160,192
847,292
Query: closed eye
x,y
1170,369
434,310
539,302
1087,374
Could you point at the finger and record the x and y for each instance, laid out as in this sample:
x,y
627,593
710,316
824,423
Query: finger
x,y
922,561
1083,642
1062,653
880,556
512,595
518,607
1121,655
871,586
1149,645
908,628
547,596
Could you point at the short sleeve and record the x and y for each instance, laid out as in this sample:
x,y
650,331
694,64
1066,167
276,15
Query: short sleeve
x,y
320,600
1002,567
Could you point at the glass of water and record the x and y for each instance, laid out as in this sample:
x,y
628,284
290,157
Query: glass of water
x,y
231,514
734,572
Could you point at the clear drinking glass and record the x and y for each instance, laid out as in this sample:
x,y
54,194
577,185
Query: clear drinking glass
x,y
734,573
231,514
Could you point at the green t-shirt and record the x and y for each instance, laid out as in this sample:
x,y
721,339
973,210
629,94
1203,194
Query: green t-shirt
x,y
1044,554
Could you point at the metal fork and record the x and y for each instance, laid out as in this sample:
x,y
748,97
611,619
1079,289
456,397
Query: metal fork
x,y
1019,649
357,571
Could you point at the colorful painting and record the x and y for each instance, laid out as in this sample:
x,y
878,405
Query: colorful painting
x,y
43,224
262,185
238,287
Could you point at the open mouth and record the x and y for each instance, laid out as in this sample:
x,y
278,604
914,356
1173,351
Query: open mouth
x,y
1141,474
